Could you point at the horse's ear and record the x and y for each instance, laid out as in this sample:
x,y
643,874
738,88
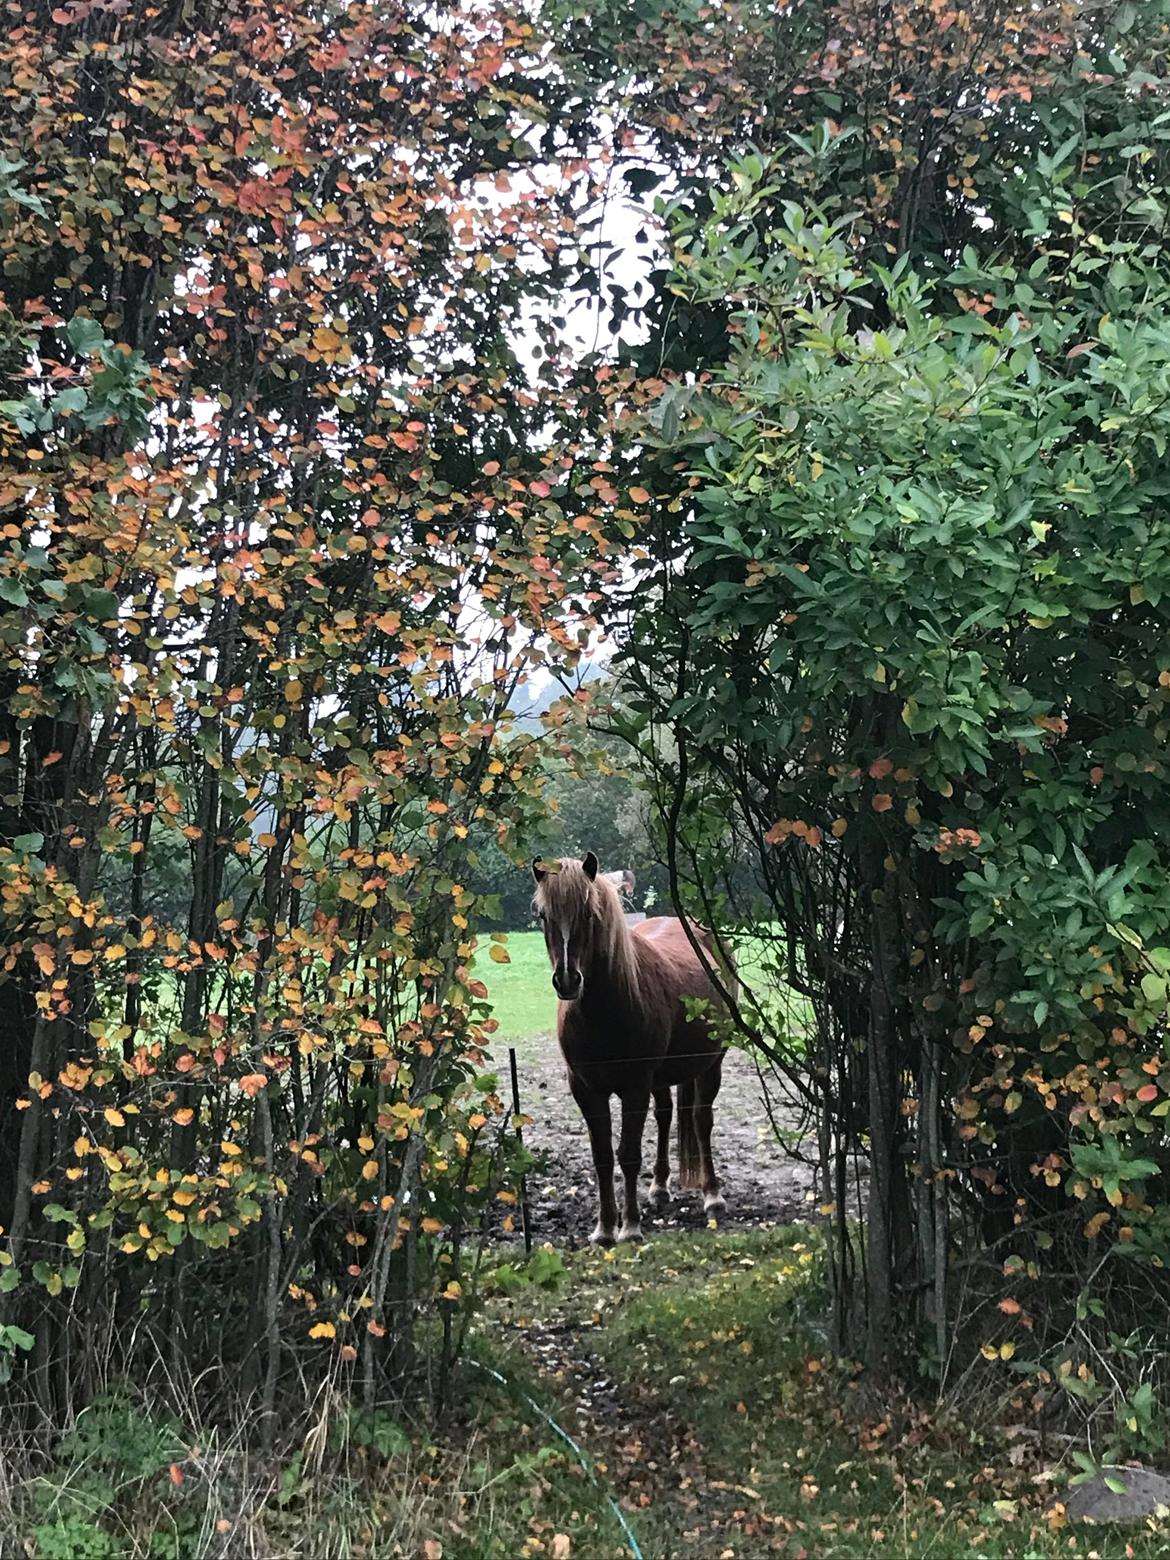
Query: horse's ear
x,y
538,871
590,866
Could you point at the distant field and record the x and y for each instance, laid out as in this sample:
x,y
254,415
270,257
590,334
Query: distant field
x,y
524,1002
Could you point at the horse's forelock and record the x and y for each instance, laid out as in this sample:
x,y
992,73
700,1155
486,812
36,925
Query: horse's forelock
x,y
570,893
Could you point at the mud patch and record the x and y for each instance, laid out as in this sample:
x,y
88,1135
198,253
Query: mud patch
x,y
764,1181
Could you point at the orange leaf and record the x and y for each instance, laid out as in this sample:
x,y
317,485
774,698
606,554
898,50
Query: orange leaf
x,y
882,802
252,1083
176,1474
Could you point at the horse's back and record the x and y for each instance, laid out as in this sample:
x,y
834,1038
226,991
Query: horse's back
x,y
667,937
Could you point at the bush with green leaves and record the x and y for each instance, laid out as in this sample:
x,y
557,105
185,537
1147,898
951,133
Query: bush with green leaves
x,y
910,632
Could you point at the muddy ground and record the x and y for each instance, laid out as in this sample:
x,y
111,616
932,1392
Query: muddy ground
x,y
762,1183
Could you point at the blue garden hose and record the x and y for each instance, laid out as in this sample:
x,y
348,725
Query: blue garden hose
x,y
573,1447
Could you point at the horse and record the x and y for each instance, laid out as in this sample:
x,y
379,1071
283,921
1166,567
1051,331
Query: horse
x,y
622,880
628,1024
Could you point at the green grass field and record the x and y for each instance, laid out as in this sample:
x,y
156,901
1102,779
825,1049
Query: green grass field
x,y
523,1001
525,1005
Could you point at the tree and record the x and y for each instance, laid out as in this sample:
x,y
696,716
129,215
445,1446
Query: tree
x,y
907,586
286,520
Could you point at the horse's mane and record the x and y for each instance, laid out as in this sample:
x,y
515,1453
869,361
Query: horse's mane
x,y
570,891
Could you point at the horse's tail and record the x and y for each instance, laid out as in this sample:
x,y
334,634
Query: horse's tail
x,y
689,1162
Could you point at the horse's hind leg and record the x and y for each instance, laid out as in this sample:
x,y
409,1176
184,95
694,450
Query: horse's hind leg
x,y
595,1108
707,1087
660,1185
634,1109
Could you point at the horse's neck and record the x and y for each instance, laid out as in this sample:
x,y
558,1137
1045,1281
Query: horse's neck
x,y
612,986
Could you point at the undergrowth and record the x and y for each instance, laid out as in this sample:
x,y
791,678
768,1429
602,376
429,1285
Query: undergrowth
x,y
717,1423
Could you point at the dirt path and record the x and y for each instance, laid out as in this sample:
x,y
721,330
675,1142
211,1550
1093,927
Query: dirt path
x,y
762,1183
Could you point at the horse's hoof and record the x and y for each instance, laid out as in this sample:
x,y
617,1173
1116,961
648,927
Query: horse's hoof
x,y
601,1237
659,1194
630,1234
713,1205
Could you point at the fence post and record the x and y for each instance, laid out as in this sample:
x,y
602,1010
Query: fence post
x,y
524,1219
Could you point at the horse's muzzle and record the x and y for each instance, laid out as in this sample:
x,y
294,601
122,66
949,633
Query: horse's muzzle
x,y
568,985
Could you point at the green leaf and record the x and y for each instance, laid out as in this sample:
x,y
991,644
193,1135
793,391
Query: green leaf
x,y
101,604
85,336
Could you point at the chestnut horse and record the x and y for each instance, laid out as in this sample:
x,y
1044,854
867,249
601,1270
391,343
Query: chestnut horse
x,y
626,1027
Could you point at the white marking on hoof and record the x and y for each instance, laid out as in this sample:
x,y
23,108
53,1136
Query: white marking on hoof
x,y
630,1233
601,1236
659,1193
713,1204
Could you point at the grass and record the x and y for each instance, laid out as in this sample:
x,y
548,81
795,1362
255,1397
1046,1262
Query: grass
x,y
740,1435
525,1006
722,1427
523,1001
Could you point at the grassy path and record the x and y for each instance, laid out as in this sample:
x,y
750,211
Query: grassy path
x,y
694,1374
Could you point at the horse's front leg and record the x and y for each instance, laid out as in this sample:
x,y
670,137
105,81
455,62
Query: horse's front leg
x,y
634,1109
594,1106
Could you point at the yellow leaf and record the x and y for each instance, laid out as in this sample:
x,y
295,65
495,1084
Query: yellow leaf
x,y
115,1117
1006,1350
499,955
323,1330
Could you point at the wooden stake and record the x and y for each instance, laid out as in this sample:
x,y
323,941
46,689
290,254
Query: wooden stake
x,y
524,1218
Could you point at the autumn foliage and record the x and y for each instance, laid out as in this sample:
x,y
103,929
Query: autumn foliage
x,y
288,509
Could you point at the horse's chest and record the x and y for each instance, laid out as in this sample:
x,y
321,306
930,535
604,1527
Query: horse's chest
x,y
606,1056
